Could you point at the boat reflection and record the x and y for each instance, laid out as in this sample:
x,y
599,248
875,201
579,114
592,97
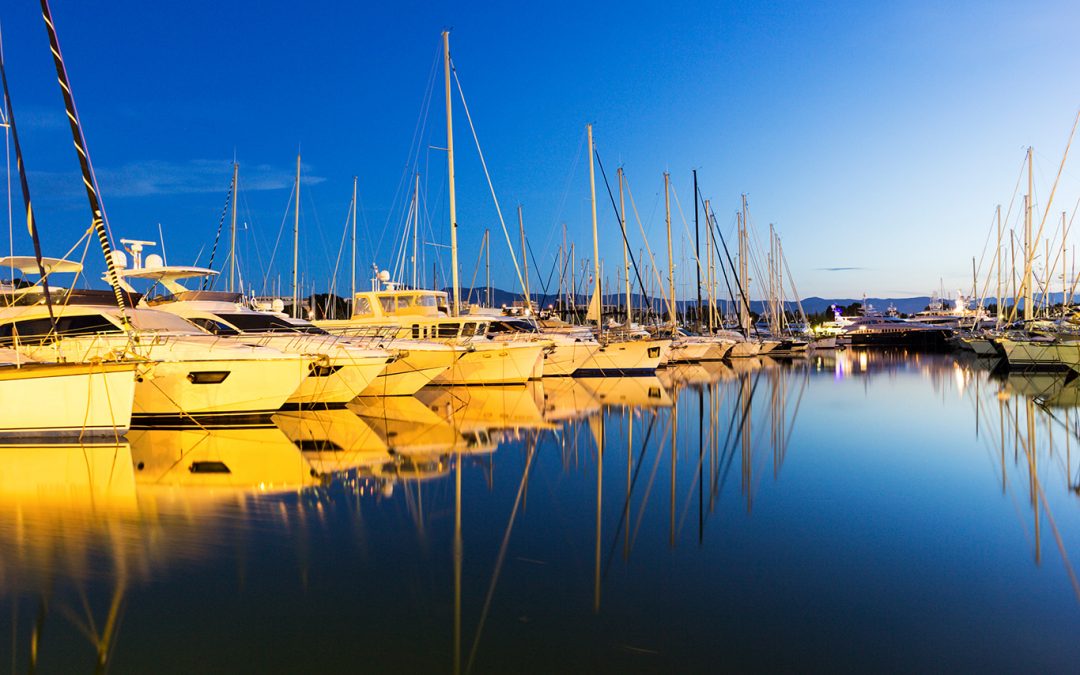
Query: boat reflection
x,y
333,441
197,465
637,392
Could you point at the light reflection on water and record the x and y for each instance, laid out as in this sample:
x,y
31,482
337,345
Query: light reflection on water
x,y
852,510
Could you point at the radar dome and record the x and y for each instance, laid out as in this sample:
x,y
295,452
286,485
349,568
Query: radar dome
x,y
384,276
278,305
119,258
153,261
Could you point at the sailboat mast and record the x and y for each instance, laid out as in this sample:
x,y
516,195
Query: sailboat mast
x,y
595,237
296,245
670,255
352,266
1064,283
744,310
997,262
450,176
625,252
709,278
1029,250
697,250
524,259
487,267
416,232
232,235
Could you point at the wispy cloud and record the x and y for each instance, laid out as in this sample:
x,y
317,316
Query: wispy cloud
x,y
840,269
146,178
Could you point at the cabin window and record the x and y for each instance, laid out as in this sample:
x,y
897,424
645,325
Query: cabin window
x,y
426,301
387,305
214,327
416,331
35,331
362,307
448,330
403,302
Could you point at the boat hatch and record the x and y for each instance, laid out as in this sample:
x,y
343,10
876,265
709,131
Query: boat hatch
x,y
209,467
207,376
318,445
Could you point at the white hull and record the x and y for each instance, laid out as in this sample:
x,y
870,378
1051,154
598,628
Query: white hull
x,y
626,357
691,351
66,400
744,350
567,357
181,377
337,380
496,363
418,363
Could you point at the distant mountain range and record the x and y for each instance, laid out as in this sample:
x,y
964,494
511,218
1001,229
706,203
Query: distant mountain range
x,y
810,305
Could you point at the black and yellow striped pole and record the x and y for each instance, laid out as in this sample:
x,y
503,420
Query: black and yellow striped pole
x,y
84,159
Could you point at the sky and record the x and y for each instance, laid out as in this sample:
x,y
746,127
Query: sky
x,y
877,137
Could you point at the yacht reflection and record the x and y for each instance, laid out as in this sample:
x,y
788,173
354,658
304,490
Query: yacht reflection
x,y
333,441
567,398
60,506
694,374
210,465
408,427
474,409
636,392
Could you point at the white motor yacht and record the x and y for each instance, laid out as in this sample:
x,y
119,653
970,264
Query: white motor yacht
x,y
339,370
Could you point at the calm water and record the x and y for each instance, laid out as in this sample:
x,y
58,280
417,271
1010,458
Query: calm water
x,y
863,511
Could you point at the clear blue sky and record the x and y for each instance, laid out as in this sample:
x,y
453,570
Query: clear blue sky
x,y
876,136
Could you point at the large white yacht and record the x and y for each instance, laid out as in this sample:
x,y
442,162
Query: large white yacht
x,y
186,373
339,371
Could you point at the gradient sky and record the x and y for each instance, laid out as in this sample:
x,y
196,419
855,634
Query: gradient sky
x,y
878,137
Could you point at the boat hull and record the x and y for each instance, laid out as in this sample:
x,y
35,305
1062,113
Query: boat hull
x,y
626,358
416,366
496,363
67,400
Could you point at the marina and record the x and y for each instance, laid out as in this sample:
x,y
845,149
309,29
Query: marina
x,y
602,429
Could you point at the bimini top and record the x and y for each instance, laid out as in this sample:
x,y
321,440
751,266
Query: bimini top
x,y
29,265
168,275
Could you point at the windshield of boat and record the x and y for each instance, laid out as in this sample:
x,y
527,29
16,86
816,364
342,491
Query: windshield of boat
x,y
148,319
511,326
259,322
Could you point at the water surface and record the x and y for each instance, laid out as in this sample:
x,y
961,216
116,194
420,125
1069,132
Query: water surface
x,y
850,511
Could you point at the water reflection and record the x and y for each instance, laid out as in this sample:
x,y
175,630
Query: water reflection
x,y
603,524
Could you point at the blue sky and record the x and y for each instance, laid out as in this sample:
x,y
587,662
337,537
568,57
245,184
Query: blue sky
x,y
877,137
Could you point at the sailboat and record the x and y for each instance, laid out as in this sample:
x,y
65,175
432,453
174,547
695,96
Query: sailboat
x,y
428,316
622,352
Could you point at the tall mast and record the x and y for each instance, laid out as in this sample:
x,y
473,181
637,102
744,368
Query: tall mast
x,y
697,249
416,232
296,244
232,236
625,252
710,273
450,175
595,237
487,268
670,256
744,310
1029,245
352,266
524,260
1064,284
997,261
